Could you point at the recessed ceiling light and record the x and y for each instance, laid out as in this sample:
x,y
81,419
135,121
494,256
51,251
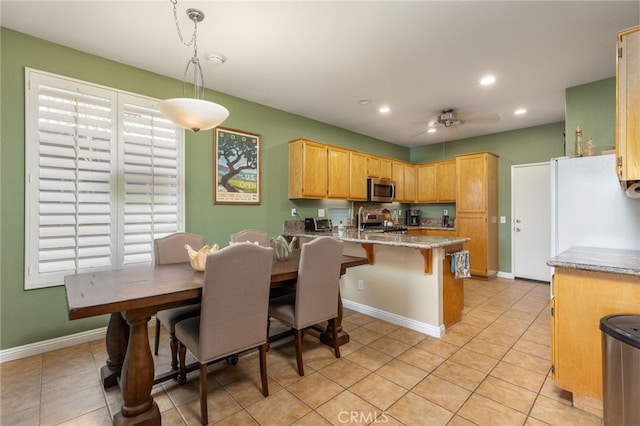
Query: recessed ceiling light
x,y
384,109
364,101
520,111
432,130
487,80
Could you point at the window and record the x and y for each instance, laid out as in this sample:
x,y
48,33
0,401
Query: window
x,y
104,178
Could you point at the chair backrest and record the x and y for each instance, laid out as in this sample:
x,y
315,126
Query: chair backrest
x,y
235,300
318,283
251,235
170,249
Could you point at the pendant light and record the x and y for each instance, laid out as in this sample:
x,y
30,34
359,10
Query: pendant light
x,y
194,113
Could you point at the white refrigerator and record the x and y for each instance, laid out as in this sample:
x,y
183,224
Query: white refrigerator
x,y
589,207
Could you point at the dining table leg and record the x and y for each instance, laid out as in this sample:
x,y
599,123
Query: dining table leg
x,y
116,344
136,377
326,336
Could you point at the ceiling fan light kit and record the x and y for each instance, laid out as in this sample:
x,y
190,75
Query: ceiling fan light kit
x,y
194,113
449,118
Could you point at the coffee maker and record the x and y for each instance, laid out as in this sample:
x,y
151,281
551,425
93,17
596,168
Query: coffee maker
x,y
412,217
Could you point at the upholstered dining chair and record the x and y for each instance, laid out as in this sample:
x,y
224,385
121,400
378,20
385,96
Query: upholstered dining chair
x,y
167,250
317,290
233,312
251,235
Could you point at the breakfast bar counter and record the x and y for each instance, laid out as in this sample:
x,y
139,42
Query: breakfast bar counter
x,y
408,280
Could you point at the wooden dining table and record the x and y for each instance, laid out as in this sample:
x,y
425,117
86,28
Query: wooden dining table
x,y
132,295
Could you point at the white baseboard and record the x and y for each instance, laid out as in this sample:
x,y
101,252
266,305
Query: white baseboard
x,y
51,344
422,327
508,275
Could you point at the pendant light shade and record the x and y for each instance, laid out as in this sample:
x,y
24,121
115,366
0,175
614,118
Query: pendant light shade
x,y
194,114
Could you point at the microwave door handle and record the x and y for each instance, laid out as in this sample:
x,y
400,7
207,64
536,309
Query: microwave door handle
x,y
393,191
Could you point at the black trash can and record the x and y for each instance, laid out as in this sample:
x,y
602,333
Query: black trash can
x,y
621,369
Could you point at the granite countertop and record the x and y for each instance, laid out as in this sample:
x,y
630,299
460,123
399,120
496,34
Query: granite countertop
x,y
389,239
614,261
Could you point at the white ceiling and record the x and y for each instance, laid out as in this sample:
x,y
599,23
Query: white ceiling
x,y
318,58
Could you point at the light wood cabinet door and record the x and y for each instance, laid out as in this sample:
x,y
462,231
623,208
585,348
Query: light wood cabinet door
x,y
338,173
357,176
307,169
580,299
628,105
446,181
426,192
409,183
471,179
397,175
474,226
385,168
373,166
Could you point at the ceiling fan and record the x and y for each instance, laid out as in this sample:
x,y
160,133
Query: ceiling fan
x,y
450,118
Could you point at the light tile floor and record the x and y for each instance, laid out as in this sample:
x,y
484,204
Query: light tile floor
x,y
491,368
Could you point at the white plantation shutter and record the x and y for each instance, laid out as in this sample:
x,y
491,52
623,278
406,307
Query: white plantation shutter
x,y
153,187
104,177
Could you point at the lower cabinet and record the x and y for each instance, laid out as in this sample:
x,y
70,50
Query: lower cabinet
x,y
579,300
483,247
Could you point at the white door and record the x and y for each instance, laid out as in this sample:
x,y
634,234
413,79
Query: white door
x,y
531,227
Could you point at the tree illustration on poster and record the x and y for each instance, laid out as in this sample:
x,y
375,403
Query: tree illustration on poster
x,y
237,167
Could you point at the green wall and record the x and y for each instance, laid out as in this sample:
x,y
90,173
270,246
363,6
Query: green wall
x,y
36,315
592,107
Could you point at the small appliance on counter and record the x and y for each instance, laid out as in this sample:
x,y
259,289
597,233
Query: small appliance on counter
x,y
412,217
445,219
316,224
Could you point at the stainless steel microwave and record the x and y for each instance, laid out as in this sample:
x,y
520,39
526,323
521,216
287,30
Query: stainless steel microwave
x,y
382,190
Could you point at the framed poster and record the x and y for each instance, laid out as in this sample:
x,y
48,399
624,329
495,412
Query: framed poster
x,y
236,178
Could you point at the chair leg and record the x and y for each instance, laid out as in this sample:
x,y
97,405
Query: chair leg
x,y
334,332
299,352
182,374
157,340
263,369
268,327
173,344
204,410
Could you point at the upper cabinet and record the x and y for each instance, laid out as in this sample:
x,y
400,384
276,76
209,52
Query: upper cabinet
x,y
358,163
307,169
436,182
628,105
338,173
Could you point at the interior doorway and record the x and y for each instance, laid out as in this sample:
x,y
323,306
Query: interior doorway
x,y
531,227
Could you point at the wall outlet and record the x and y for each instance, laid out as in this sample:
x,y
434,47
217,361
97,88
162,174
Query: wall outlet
x,y
320,212
294,212
445,212
503,219
360,285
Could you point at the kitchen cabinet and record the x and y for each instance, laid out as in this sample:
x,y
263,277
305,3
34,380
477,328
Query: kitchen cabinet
x,y
307,169
404,176
477,210
385,168
358,163
628,105
373,166
397,175
579,299
337,173
436,182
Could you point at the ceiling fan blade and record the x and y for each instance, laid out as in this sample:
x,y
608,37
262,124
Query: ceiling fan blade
x,y
479,117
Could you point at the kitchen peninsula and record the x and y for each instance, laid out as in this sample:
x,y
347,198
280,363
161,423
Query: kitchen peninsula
x,y
408,280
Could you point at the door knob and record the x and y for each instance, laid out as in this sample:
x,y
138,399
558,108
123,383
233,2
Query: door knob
x,y
517,229
518,221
